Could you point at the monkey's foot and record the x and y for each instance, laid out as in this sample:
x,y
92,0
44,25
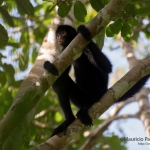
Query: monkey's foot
x,y
84,116
63,127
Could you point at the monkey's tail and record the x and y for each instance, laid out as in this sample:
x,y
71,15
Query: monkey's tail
x,y
134,89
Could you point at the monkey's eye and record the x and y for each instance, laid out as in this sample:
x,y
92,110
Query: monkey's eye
x,y
63,33
57,36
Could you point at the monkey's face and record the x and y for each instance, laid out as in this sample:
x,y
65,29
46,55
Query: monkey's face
x,y
65,34
62,38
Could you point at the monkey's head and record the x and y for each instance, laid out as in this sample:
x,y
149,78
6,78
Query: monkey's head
x,y
65,34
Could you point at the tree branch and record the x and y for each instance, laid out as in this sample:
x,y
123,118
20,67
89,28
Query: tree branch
x,y
119,106
97,134
29,97
110,97
141,28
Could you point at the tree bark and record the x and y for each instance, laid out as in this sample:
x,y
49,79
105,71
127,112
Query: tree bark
x,y
109,98
17,136
33,88
142,96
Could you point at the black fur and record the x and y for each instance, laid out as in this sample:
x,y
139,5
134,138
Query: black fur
x,y
91,73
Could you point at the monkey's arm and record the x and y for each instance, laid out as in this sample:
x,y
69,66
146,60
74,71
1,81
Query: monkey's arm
x,y
98,58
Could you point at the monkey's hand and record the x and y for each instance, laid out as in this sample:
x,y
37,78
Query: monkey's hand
x,y
84,116
51,68
84,32
63,126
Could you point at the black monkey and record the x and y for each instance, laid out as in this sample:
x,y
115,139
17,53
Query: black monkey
x,y
91,73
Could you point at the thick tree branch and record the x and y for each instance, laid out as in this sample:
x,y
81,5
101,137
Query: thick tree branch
x,y
27,101
109,98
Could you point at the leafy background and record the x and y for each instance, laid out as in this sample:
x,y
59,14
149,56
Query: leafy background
x,y
24,24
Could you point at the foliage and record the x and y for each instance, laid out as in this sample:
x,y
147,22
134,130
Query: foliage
x,y
111,142
25,37
23,25
124,22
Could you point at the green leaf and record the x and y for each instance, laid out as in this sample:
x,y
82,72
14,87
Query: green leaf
x,y
126,32
134,1
39,33
2,78
143,11
1,2
147,33
51,8
79,11
116,26
130,10
3,37
58,117
2,56
23,62
100,38
34,55
9,69
109,33
133,22
49,0
16,45
97,4
24,37
6,16
9,72
25,6
64,8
